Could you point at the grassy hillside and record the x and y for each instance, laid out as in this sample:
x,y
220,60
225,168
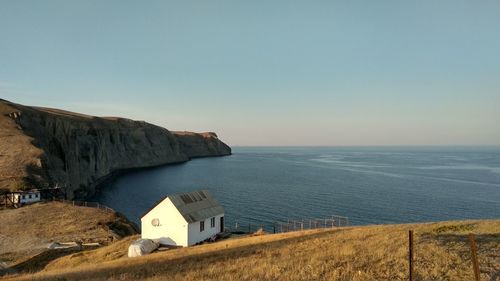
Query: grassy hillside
x,y
357,253
26,232
16,149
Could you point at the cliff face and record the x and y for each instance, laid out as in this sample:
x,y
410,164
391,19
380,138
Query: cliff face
x,y
201,144
78,151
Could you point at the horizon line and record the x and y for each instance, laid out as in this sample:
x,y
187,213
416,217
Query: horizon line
x,y
374,145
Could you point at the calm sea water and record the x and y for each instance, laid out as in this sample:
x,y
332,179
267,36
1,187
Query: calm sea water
x,y
369,185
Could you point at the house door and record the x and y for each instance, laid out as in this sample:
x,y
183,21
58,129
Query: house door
x,y
221,224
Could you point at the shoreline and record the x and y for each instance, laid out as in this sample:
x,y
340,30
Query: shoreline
x,y
101,182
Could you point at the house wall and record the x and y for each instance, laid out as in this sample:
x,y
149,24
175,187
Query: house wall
x,y
196,236
173,228
18,198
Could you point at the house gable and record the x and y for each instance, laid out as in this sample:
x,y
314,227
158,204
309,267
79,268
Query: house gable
x,y
165,223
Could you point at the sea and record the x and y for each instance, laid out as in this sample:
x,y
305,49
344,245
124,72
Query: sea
x,y
369,185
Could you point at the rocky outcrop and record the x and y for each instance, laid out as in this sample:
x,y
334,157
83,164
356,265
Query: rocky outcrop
x,y
201,144
78,151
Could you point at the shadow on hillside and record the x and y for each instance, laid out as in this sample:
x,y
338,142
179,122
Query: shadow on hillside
x,y
486,244
481,239
139,271
38,262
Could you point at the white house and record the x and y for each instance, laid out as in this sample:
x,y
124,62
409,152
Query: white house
x,y
24,197
183,219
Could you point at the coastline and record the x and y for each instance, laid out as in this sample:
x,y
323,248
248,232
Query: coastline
x,y
102,182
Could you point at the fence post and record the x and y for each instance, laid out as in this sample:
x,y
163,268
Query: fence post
x,y
473,250
410,256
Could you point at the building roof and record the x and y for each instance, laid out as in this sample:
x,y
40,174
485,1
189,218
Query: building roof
x,y
195,206
31,191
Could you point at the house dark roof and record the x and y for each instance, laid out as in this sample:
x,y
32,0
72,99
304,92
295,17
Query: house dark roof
x,y
195,206
31,191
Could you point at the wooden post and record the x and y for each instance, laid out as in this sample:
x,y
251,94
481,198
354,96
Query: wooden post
x,y
410,256
473,250
274,227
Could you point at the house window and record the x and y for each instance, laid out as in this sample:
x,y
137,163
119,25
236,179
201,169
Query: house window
x,y
24,197
202,226
212,222
29,196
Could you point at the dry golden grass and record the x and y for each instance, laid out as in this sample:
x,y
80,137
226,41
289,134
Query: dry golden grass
x,y
25,232
357,253
16,150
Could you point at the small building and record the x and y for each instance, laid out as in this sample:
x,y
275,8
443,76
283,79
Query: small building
x,y
24,197
183,219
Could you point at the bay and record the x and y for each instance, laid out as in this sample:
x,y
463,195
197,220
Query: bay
x,y
370,185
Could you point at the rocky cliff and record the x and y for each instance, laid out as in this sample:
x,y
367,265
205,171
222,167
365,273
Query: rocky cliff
x,y
44,147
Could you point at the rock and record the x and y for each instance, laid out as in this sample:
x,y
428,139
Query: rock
x,y
43,147
201,144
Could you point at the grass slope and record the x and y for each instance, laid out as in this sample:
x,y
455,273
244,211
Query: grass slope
x,y
356,253
25,232
16,150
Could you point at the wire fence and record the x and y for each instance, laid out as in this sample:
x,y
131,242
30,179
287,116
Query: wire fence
x,y
245,227
7,202
85,204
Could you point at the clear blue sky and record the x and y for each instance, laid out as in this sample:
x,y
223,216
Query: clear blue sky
x,y
265,72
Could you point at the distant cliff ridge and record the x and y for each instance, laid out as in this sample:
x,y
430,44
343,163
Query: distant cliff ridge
x,y
42,147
